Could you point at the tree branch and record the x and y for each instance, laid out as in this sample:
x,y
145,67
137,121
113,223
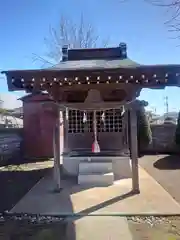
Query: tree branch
x,y
42,60
173,7
79,35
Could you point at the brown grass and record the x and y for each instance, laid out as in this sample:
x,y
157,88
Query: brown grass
x,y
167,228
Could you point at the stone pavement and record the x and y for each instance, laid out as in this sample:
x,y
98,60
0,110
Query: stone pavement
x,y
100,228
116,199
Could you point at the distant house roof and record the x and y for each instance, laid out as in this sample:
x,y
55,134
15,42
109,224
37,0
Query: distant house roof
x,y
17,110
38,96
10,120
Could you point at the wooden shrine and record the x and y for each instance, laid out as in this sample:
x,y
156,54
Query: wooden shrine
x,y
96,89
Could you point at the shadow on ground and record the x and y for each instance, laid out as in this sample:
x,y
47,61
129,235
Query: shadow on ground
x,y
71,231
60,204
73,217
171,162
32,229
106,203
15,183
18,160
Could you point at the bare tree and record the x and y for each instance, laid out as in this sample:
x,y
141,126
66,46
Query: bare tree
x,y
80,35
173,8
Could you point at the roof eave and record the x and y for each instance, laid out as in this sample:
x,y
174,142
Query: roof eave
x,y
138,66
137,70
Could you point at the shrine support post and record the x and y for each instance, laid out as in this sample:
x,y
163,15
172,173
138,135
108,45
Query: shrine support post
x,y
134,150
65,129
56,152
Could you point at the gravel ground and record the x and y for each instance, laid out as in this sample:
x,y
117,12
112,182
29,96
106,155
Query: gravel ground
x,y
31,227
150,220
153,228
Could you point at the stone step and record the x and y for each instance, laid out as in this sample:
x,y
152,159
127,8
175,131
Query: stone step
x,y
96,180
99,158
95,167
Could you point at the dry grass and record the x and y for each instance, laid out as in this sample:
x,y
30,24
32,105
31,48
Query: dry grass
x,y
167,228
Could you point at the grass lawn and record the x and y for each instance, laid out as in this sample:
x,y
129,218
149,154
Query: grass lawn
x,y
153,228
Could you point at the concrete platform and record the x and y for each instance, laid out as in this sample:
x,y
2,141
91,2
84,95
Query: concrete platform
x,y
94,206
121,165
115,199
99,228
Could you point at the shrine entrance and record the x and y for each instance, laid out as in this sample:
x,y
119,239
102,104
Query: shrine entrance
x,y
111,131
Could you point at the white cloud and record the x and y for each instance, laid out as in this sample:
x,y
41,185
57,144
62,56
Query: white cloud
x,y
10,100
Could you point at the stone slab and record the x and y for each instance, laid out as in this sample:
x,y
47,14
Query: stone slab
x,y
96,180
100,228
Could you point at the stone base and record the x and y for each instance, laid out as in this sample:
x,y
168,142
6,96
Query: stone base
x,y
121,165
95,167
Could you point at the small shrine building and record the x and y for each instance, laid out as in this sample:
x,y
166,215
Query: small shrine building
x,y
96,92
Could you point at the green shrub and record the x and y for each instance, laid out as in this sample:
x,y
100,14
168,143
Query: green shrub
x,y
144,134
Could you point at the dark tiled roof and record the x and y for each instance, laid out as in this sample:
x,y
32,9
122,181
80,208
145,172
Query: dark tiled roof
x,y
95,64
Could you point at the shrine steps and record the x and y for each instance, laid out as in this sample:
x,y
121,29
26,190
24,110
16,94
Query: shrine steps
x,y
96,180
95,174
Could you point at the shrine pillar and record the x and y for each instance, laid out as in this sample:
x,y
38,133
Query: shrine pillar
x,y
65,130
56,153
134,149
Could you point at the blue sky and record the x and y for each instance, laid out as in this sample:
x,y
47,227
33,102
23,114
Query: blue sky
x,y
25,24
